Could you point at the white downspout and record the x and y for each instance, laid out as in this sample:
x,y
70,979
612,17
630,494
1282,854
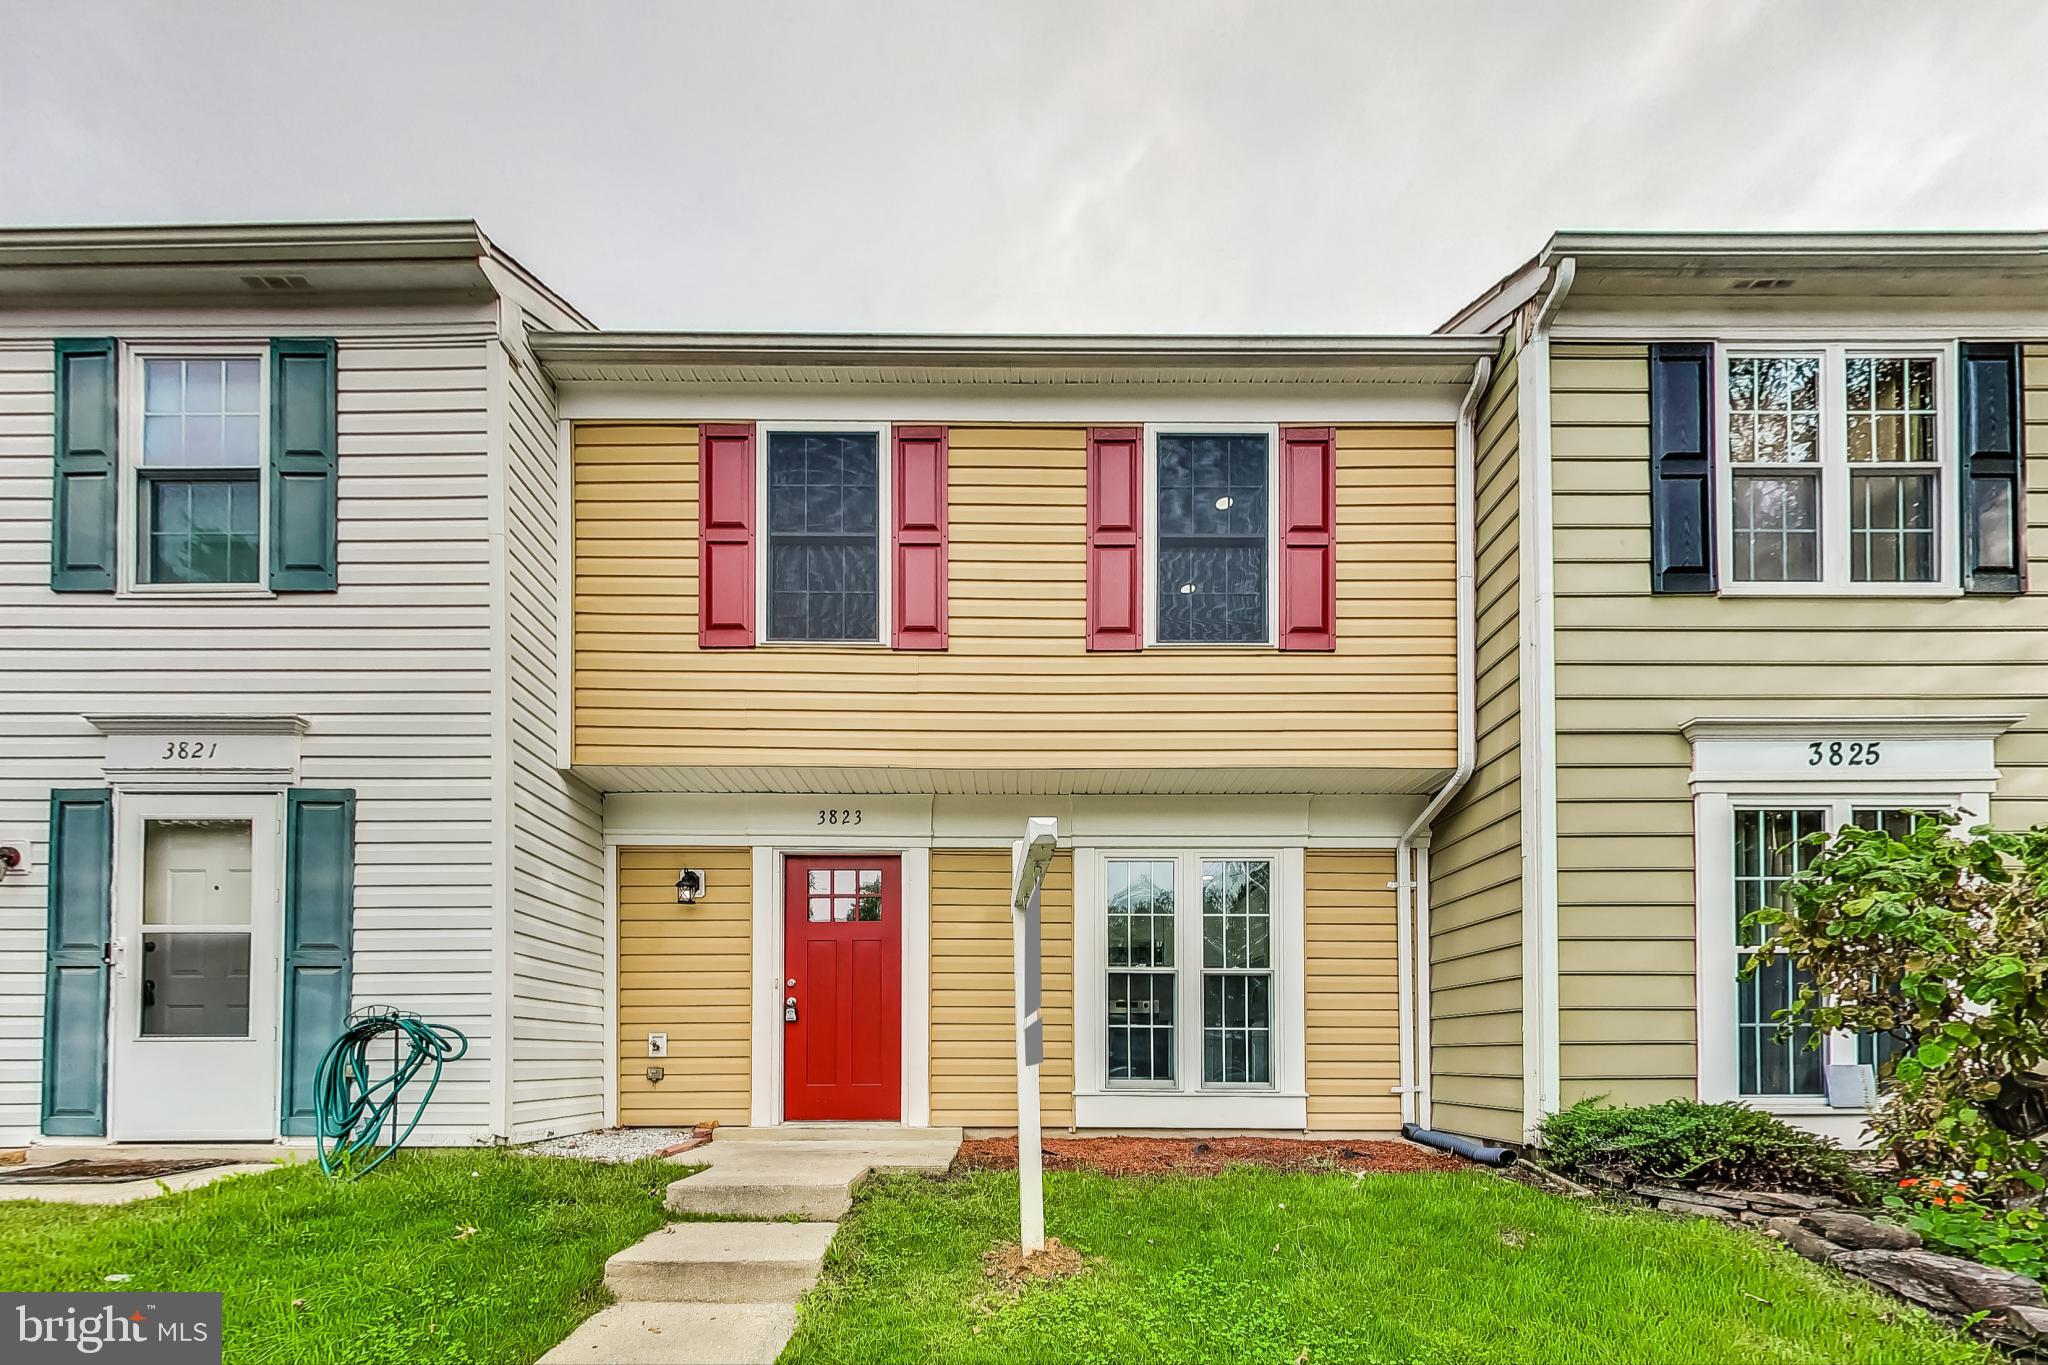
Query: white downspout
x,y
1539,715
1411,929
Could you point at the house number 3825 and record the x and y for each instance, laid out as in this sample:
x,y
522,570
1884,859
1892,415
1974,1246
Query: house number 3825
x,y
190,748
1842,753
839,817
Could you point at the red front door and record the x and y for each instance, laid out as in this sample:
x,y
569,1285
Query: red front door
x,y
843,968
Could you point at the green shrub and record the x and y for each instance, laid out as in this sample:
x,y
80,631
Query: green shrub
x,y
1681,1142
1949,1219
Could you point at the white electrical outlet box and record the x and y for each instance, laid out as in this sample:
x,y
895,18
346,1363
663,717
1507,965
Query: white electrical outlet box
x,y
657,1045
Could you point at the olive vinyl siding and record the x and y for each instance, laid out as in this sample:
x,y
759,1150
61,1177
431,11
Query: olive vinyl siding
x,y
973,992
1633,668
556,849
684,970
1017,688
1475,923
1352,991
393,673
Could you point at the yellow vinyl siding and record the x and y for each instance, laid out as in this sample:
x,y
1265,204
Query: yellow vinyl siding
x,y
1353,984
684,970
1017,688
1633,667
973,1004
1475,942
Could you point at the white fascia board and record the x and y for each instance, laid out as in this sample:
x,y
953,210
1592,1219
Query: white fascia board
x,y
1318,403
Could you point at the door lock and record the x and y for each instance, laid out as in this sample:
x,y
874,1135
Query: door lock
x,y
789,1010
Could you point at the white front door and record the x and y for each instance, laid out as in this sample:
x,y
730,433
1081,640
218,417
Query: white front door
x,y
197,927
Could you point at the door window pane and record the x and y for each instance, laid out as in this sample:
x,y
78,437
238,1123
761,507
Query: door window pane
x,y
1769,850
1212,515
196,903
824,550
843,895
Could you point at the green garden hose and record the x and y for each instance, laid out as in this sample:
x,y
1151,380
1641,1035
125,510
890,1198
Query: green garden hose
x,y
350,1108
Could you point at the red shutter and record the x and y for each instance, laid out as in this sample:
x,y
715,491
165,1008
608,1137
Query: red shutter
x,y
725,535
1116,551
919,476
1308,542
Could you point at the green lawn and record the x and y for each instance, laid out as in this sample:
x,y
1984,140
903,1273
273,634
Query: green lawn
x,y
369,1273
1258,1266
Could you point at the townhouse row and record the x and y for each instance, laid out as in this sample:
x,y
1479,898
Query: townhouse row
x,y
1419,714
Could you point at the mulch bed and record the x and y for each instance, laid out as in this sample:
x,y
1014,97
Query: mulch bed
x,y
1206,1156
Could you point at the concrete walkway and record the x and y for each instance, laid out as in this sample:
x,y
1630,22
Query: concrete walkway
x,y
725,1292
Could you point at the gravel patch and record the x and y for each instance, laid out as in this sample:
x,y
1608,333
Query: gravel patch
x,y
612,1144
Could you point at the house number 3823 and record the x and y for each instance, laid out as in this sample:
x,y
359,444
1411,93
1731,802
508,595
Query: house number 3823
x,y
839,817
1839,753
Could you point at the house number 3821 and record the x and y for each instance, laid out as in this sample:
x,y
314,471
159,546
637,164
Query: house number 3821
x,y
839,817
1839,753
191,748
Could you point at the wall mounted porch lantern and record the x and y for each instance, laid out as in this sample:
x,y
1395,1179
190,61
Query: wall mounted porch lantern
x,y
689,886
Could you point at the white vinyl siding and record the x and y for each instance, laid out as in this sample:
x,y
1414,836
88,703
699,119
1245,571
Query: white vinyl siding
x,y
392,672
557,977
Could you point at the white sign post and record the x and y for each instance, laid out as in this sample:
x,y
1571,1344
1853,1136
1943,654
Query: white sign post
x,y
1028,861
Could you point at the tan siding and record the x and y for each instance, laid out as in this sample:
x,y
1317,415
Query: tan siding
x,y
1475,942
1632,668
1017,688
974,1049
1353,979
685,971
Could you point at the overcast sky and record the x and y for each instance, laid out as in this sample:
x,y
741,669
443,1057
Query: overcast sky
x,y
1188,165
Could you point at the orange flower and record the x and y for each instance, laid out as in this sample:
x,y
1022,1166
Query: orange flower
x,y
1909,1180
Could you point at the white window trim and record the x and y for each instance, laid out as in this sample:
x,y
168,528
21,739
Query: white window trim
x,y
1714,929
1269,430
885,532
1835,469
1188,1102
128,514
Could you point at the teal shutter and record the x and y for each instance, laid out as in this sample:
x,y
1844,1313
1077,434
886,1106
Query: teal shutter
x,y
84,479
319,923
75,996
303,477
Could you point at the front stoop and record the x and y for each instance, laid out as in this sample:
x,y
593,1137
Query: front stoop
x,y
727,1291
721,1263
679,1334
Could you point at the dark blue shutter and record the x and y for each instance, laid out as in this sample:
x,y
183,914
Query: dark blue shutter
x,y
1681,469
319,922
1994,484
303,469
75,994
82,497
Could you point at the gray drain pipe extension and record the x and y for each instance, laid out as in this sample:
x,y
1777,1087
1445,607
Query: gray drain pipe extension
x,y
1483,1153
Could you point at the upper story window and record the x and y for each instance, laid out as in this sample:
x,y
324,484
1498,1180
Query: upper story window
x,y
1213,516
1840,464
824,551
197,457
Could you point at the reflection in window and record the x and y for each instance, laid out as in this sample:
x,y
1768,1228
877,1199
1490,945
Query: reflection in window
x,y
1769,850
1141,969
1891,423
1774,459
843,895
200,500
1237,972
1212,568
196,912
824,551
